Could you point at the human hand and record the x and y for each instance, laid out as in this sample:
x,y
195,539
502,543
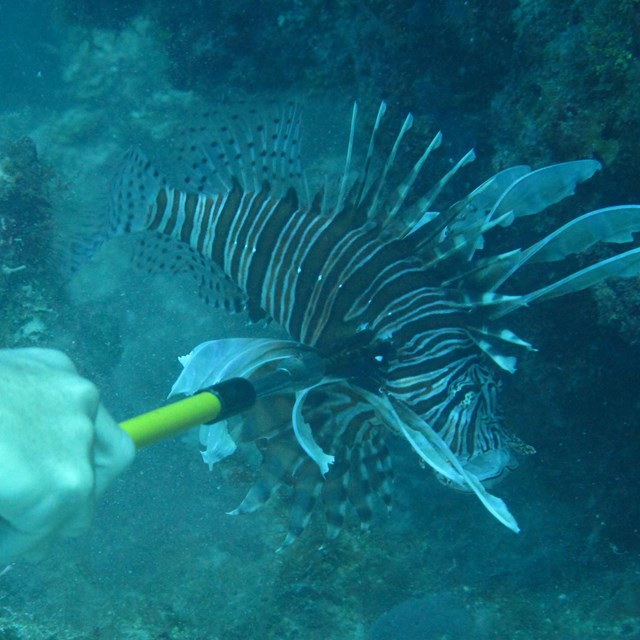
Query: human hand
x,y
59,449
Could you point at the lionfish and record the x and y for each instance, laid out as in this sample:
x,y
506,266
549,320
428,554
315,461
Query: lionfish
x,y
401,299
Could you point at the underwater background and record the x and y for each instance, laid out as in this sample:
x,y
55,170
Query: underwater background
x,y
533,81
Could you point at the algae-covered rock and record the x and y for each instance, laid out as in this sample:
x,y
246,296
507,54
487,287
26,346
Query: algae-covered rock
x,y
27,274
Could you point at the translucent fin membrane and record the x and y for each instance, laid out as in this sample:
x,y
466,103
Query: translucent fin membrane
x,y
244,144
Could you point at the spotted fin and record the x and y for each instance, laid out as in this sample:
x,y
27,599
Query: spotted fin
x,y
158,253
248,144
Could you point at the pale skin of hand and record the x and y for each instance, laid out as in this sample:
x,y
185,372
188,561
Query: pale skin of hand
x,y
59,450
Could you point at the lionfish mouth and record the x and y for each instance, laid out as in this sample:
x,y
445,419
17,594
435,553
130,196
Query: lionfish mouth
x,y
401,301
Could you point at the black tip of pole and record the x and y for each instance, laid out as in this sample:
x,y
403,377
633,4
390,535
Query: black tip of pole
x,y
235,394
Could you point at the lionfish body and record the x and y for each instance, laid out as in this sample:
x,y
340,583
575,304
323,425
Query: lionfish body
x,y
401,302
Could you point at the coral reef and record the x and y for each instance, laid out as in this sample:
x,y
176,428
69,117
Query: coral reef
x,y
571,93
27,276
555,79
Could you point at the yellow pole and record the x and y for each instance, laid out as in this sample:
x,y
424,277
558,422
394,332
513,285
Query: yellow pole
x,y
218,402
172,419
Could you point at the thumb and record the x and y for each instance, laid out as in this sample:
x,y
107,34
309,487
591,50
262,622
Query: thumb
x,y
113,450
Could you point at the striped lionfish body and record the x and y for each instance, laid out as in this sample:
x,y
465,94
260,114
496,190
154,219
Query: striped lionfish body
x,y
402,301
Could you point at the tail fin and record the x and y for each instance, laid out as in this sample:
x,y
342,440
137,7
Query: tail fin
x,y
134,190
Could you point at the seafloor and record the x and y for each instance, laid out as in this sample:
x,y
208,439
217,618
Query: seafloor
x,y
83,81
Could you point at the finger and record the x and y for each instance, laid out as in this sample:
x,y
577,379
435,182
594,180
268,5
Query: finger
x,y
62,501
46,357
15,543
85,395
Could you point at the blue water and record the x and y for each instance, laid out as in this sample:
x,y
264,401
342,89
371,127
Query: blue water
x,y
85,80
